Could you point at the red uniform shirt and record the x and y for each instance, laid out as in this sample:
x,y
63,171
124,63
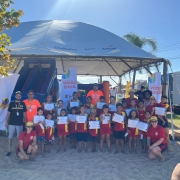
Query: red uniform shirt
x,y
141,115
166,105
151,108
39,130
82,127
120,126
27,138
49,133
128,100
72,127
93,132
156,133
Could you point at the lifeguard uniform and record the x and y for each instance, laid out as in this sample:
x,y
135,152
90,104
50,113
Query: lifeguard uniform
x,y
46,112
128,100
155,134
63,129
141,114
119,128
134,132
93,132
106,128
151,107
72,129
49,135
40,133
82,132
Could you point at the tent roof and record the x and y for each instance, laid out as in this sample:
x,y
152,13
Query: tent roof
x,y
88,48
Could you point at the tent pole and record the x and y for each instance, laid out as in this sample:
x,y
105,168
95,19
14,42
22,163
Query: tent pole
x,y
100,79
164,87
134,77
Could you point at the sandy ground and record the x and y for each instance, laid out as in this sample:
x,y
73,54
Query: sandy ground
x,y
71,165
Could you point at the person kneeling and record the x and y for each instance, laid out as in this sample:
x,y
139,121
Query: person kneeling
x,y
27,143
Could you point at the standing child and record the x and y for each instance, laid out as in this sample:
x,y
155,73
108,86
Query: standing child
x,y
141,110
50,103
49,133
73,128
152,105
133,106
93,132
89,105
39,128
100,111
82,132
124,104
63,131
134,134
105,129
60,106
119,129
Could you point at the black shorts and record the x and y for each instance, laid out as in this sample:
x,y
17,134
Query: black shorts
x,y
166,125
119,134
48,142
163,147
73,135
93,138
82,136
25,150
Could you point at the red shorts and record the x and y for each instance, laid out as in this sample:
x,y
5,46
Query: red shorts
x,y
105,129
133,133
62,132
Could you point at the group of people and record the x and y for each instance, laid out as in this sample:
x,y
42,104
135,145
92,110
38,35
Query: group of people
x,y
40,130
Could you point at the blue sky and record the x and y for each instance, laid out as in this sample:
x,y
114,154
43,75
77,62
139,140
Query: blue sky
x,y
158,19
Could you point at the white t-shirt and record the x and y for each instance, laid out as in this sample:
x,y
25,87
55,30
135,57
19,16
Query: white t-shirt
x,y
113,92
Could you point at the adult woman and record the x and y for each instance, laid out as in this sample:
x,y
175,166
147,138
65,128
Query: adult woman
x,y
147,95
27,143
156,140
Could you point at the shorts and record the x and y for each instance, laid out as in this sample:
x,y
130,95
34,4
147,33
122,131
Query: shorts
x,y
82,136
40,138
25,150
163,147
93,138
166,125
73,135
48,142
12,128
144,140
119,134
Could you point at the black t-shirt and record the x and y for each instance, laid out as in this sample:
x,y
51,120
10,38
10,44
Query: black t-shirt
x,y
16,110
140,95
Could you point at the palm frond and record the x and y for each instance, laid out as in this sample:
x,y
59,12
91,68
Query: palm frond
x,y
151,42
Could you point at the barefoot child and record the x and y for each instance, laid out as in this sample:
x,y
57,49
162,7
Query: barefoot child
x,y
134,134
49,133
82,132
89,105
63,130
100,111
119,128
60,106
72,127
105,128
93,132
40,131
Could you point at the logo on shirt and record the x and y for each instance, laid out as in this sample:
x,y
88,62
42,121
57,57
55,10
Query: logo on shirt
x,y
156,133
5,103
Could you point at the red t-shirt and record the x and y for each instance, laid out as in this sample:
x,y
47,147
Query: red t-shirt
x,y
39,130
166,105
49,133
141,115
120,126
82,127
95,96
27,138
156,133
93,132
128,100
151,107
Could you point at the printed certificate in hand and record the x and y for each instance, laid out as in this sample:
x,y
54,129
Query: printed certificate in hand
x,y
72,117
62,119
133,123
81,119
118,118
100,105
94,125
112,107
72,104
160,111
38,119
49,107
49,123
143,126
106,120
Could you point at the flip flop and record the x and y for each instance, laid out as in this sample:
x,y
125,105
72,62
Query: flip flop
x,y
8,154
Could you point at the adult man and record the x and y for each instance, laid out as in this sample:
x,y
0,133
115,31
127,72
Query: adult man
x,y
95,94
32,105
140,93
15,118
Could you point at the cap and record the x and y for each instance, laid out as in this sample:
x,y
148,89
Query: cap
x,y
164,96
95,84
29,124
153,118
18,92
152,97
105,106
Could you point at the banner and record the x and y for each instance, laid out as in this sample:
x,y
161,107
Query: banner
x,y
154,83
7,84
68,85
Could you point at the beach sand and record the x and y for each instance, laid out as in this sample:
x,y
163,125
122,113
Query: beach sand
x,y
71,165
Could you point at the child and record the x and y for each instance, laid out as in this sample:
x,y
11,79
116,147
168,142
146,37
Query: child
x,y
100,111
152,106
60,106
63,131
144,134
74,99
93,132
113,103
119,129
89,105
162,120
39,128
73,128
48,101
49,134
82,134
133,106
134,134
141,110
124,104
105,129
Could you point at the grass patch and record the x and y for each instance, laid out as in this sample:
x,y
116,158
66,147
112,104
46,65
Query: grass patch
x,y
176,120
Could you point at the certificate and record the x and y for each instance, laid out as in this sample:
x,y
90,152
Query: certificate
x,y
49,107
75,103
72,117
112,107
81,119
87,111
133,123
143,126
62,119
160,111
118,118
49,123
100,105
106,120
59,111
94,125
38,119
